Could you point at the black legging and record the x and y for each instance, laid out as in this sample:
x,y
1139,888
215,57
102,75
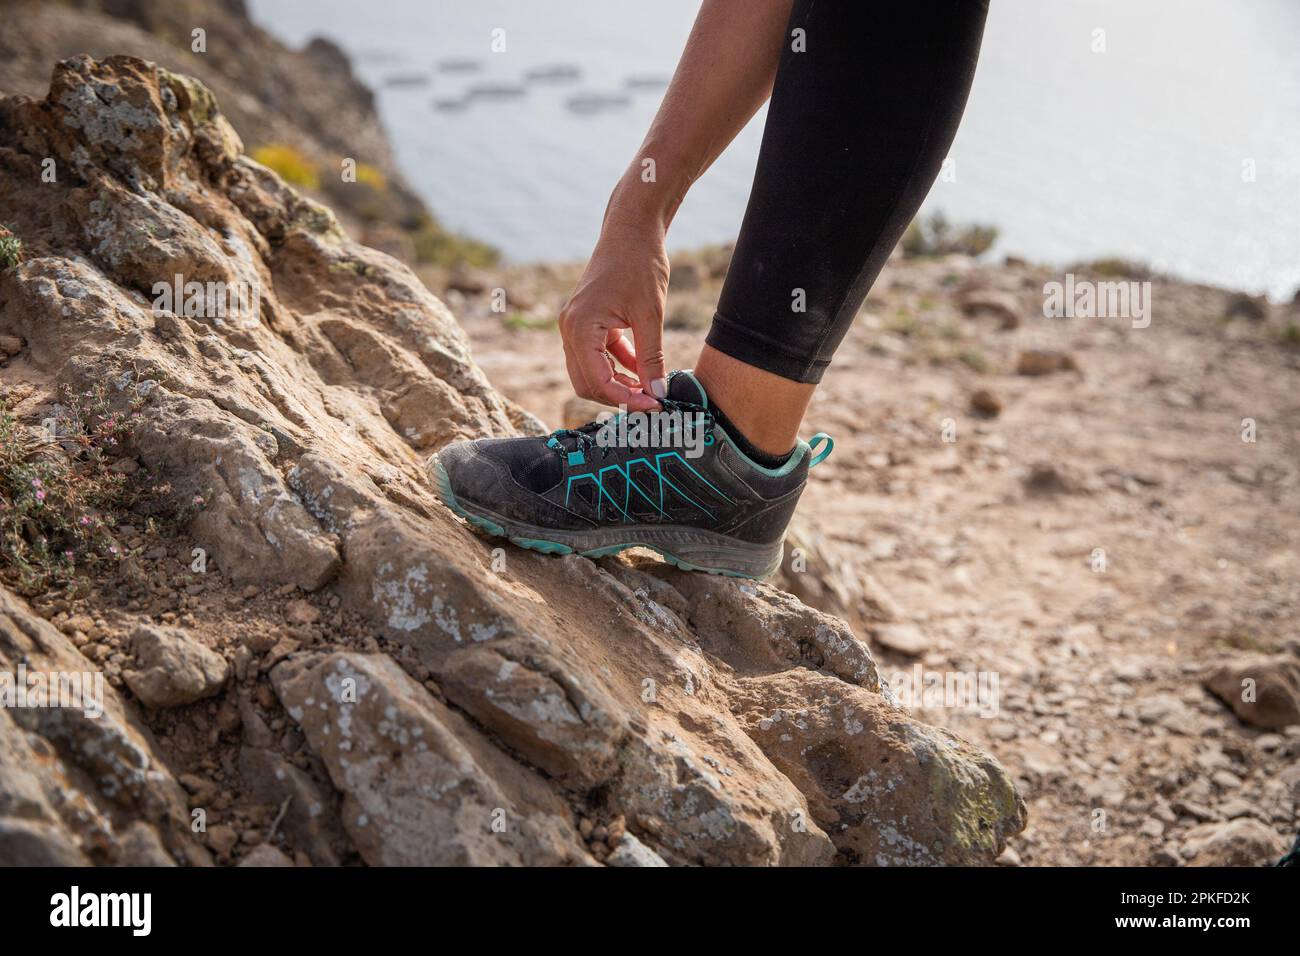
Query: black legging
x,y
857,130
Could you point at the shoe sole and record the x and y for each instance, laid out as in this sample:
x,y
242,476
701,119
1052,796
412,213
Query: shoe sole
x,y
691,549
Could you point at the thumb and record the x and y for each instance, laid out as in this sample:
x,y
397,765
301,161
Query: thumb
x,y
649,337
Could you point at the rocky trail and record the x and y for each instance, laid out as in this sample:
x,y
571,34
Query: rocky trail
x,y
311,661
1070,507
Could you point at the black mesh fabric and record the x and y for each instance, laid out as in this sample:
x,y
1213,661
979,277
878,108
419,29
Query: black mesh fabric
x,y
531,463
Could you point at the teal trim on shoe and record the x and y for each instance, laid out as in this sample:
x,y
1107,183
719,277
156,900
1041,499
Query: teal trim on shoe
x,y
791,463
545,547
822,455
449,499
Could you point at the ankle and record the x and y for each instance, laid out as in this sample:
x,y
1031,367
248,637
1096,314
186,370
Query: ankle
x,y
763,409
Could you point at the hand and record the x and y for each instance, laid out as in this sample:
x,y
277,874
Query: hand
x,y
623,287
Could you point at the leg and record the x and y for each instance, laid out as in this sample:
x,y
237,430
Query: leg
x,y
856,133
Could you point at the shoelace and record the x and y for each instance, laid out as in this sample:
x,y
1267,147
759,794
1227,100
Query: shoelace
x,y
584,435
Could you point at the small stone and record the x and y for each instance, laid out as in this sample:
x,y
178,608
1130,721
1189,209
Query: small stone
x,y
1264,691
986,402
222,839
1241,842
632,852
1036,362
1153,828
301,612
10,345
1000,305
268,855
174,669
906,639
1237,807
1225,780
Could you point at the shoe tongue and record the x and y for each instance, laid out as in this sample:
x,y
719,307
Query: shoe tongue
x,y
683,386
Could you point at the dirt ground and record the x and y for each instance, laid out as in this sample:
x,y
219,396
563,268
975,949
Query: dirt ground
x,y
1095,537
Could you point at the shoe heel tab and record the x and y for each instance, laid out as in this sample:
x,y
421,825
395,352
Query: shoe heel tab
x,y
819,439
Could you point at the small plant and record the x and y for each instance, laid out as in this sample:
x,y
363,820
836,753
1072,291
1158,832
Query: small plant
x,y
372,177
1115,267
11,249
936,236
289,164
60,499
434,245
973,359
518,321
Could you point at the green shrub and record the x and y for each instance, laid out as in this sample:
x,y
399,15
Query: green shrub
x,y
60,500
936,236
11,249
434,245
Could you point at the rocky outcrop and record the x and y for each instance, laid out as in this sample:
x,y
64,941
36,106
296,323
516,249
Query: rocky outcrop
x,y
81,782
306,104
502,700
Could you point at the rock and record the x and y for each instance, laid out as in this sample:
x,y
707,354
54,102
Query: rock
x,y
10,345
860,760
1000,305
141,846
1044,362
986,402
580,411
1263,691
222,839
1057,478
80,784
831,578
172,668
1152,828
266,855
301,612
1009,857
1237,807
632,852
747,623
1240,842
303,428
467,281
420,786
906,639
1240,305
1168,855
311,820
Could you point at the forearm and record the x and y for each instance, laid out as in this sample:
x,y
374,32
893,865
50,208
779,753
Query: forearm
x,y
724,75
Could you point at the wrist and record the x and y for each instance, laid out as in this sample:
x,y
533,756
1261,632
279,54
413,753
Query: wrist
x,y
643,200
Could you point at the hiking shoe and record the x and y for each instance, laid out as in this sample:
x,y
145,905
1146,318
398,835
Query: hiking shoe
x,y
672,481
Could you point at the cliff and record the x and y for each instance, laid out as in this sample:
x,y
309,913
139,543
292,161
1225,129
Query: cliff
x,y
320,662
